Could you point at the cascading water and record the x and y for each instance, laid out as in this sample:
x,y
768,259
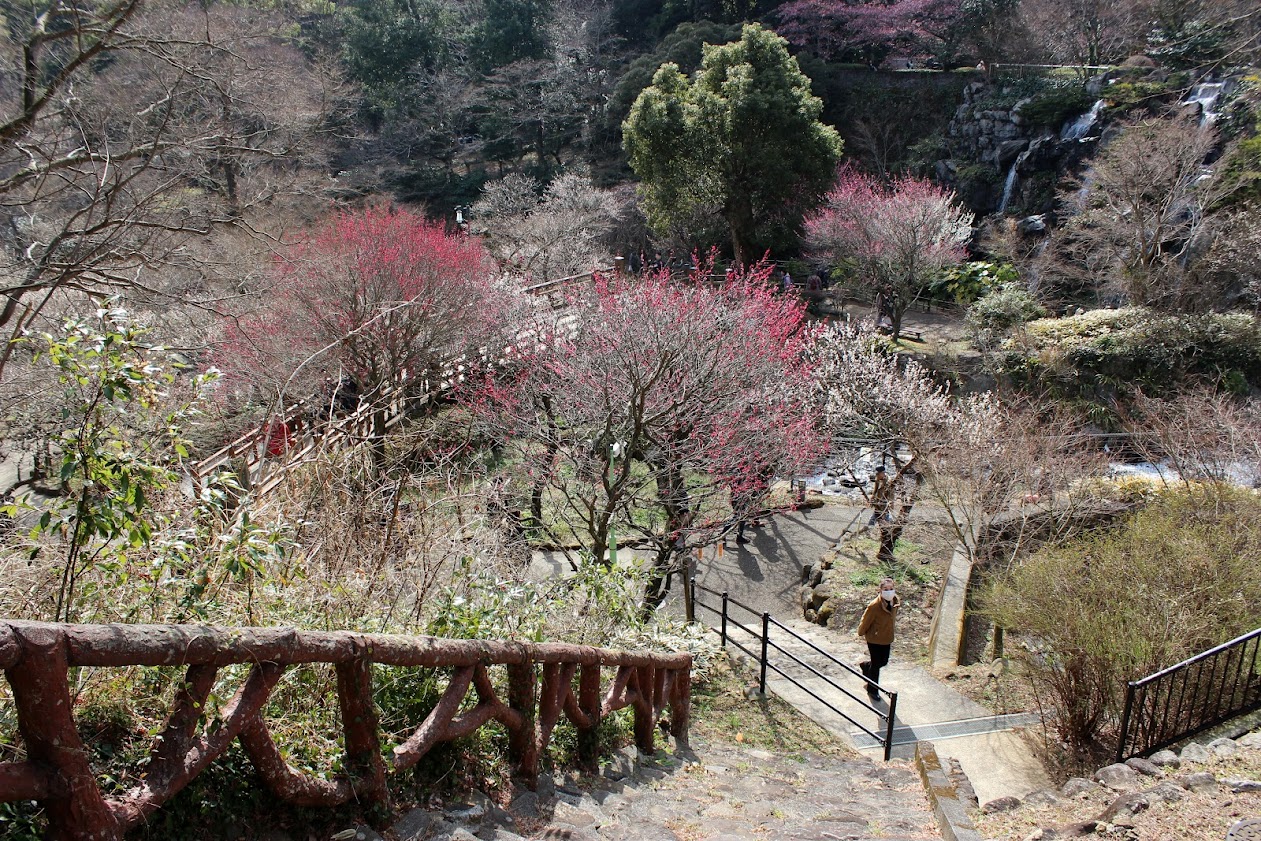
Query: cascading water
x,y
1009,186
1079,127
1205,95
1013,176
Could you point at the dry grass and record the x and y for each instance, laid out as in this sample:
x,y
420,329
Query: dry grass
x,y
722,711
1001,687
922,556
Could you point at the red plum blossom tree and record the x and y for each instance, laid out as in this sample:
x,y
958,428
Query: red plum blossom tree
x,y
381,294
898,237
867,29
664,416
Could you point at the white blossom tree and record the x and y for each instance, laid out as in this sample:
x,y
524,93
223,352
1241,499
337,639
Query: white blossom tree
x,y
556,232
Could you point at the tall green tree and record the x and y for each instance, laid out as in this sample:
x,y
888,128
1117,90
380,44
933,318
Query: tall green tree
x,y
739,142
511,30
384,42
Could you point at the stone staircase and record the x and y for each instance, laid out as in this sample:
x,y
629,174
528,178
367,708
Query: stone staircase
x,y
714,792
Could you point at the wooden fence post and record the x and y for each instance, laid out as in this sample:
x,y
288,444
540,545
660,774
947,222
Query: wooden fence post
x,y
364,763
589,702
41,692
523,742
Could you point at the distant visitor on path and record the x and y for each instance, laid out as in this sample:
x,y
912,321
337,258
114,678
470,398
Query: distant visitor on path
x,y
278,437
881,497
877,628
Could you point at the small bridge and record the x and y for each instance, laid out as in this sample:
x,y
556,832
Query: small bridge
x,y
308,431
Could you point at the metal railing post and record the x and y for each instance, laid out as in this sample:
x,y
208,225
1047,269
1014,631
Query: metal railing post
x,y
723,634
888,730
766,631
1125,720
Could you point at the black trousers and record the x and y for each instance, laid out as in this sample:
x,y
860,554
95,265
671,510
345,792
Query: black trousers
x,y
879,655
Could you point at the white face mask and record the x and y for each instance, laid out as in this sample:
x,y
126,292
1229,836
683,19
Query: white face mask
x,y
887,595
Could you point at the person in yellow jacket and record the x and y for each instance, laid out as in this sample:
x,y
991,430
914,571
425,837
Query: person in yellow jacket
x,y
877,628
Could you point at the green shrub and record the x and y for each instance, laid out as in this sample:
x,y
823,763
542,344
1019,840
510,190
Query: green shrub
x,y
967,282
1053,106
1120,350
1004,307
1242,171
1125,96
1175,579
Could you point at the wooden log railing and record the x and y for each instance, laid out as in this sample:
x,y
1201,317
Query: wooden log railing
x,y
307,435
36,658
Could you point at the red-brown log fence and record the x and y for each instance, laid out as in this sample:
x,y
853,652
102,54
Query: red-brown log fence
x,y
540,686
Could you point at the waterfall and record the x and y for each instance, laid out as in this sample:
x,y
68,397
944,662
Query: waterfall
x,y
1087,183
1078,128
1008,187
1033,267
1013,176
1205,95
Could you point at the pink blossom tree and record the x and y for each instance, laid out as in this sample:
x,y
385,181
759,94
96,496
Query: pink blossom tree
x,y
898,237
663,417
380,294
869,29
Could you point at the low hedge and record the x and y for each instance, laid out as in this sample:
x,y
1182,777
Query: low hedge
x,y
1112,352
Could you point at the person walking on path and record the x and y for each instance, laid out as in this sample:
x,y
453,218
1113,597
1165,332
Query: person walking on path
x,y
876,628
881,497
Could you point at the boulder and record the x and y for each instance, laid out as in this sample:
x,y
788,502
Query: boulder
x,y
1144,766
418,824
1165,759
1117,776
1239,786
825,612
1077,785
1032,225
1041,797
1250,740
1223,747
1167,791
1009,150
1000,804
1199,781
525,805
1194,752
1125,806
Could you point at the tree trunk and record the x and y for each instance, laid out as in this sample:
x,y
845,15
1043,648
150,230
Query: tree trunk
x,y
739,213
553,447
658,585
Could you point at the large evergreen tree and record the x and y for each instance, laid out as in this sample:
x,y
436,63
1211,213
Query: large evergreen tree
x,y
741,142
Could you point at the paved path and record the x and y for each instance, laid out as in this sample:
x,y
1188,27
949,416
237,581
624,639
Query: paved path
x,y
765,574
714,792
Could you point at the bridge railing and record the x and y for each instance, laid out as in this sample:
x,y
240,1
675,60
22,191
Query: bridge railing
x,y
306,426
1190,697
36,658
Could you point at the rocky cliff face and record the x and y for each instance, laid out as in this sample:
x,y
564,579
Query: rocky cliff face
x,y
1002,160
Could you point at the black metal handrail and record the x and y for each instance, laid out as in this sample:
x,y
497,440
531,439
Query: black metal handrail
x,y
1182,700
726,622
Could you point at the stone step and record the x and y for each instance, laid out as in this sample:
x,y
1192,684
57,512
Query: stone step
x,y
716,792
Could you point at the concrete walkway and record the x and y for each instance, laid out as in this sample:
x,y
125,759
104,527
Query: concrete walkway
x,y
765,574
997,761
